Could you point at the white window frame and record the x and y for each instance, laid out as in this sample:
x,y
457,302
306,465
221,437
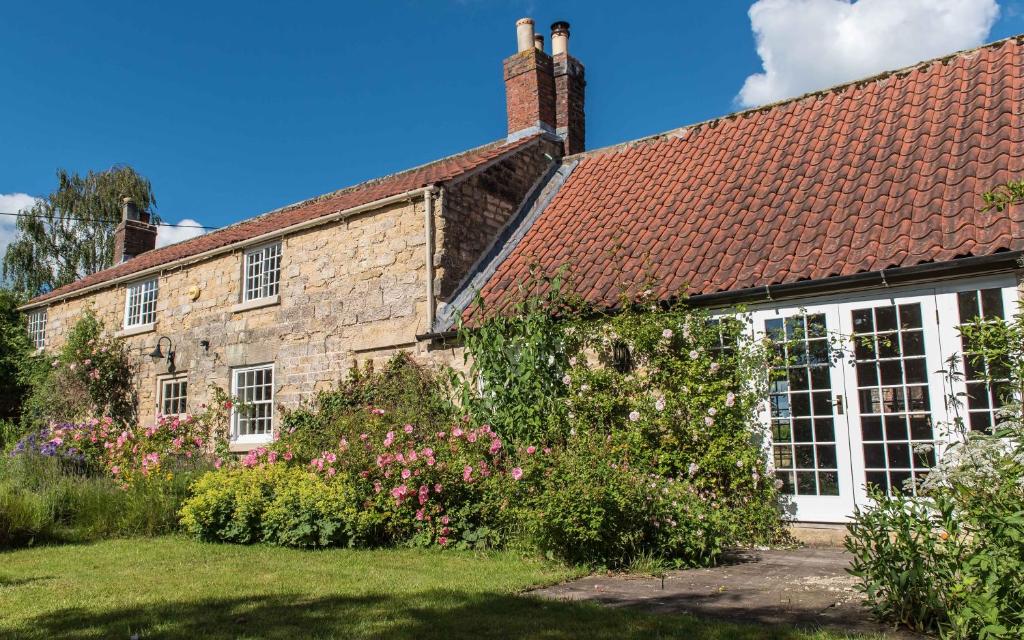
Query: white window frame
x,y
37,327
140,297
240,393
162,396
261,272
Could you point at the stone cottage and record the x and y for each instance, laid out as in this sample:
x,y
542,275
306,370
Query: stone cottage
x,y
853,211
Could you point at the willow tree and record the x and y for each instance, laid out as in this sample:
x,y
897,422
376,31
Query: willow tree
x,y
70,233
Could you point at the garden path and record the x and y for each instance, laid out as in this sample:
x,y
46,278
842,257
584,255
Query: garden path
x,y
806,587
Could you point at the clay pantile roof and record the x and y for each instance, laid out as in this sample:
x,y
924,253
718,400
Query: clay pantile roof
x,y
875,174
437,172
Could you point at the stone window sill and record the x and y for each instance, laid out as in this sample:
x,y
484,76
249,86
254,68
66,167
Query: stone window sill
x,y
258,303
246,447
137,330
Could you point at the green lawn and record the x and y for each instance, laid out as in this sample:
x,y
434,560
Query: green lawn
x,y
176,588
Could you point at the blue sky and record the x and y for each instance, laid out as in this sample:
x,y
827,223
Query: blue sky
x,y
235,108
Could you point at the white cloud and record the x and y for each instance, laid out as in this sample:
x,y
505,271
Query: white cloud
x,y
184,230
11,203
812,44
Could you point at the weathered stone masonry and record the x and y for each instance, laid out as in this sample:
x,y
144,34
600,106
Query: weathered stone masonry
x,y
351,290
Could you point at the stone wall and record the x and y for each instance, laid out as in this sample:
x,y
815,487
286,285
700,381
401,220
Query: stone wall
x,y
350,290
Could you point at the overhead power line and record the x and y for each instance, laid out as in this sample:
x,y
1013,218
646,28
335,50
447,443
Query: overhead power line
x,y
161,224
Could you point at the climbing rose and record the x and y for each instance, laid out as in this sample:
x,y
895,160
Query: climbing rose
x,y
730,399
634,416
517,473
667,333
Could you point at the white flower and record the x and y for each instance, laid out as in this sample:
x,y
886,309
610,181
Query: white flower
x,y
566,379
730,399
659,404
714,367
709,421
667,334
634,416
694,354
693,469
572,361
712,411
739,464
551,359
778,484
584,387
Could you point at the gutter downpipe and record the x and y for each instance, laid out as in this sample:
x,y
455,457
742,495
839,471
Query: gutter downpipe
x,y
428,229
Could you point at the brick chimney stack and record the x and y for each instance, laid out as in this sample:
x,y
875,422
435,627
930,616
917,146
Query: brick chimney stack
x,y
529,85
570,85
135,235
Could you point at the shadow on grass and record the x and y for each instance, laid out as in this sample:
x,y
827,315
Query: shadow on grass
x,y
436,614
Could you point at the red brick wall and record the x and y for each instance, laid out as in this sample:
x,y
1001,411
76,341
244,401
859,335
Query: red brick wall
x,y
569,102
529,90
133,237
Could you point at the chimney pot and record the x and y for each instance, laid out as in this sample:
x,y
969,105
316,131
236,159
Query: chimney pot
x,y
559,38
524,34
129,211
538,41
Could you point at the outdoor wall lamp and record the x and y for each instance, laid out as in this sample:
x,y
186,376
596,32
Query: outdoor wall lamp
x,y
157,354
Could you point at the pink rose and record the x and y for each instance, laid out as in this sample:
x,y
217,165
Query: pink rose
x,y
517,473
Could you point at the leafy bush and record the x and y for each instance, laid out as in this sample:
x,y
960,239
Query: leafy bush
x,y
678,389
408,392
92,375
950,560
288,506
594,507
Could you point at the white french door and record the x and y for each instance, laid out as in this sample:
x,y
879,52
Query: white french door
x,y
859,395
805,415
895,390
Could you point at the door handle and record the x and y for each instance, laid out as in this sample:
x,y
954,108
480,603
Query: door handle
x,y
839,403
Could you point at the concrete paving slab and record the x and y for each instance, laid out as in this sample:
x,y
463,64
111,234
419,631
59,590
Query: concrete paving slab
x,y
806,587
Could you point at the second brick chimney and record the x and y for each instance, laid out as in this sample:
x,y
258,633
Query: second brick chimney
x,y
134,235
529,86
570,85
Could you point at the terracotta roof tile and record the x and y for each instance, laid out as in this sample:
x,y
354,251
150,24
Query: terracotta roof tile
x,y
877,174
436,172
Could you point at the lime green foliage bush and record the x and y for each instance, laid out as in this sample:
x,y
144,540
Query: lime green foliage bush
x,y
92,375
951,560
42,501
287,506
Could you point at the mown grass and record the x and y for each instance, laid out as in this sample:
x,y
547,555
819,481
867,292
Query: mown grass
x,y
171,587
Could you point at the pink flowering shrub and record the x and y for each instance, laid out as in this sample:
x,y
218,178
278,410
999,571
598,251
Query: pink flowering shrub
x,y
100,446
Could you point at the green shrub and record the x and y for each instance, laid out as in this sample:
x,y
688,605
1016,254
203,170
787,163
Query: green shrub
x,y
675,387
596,507
277,504
408,392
